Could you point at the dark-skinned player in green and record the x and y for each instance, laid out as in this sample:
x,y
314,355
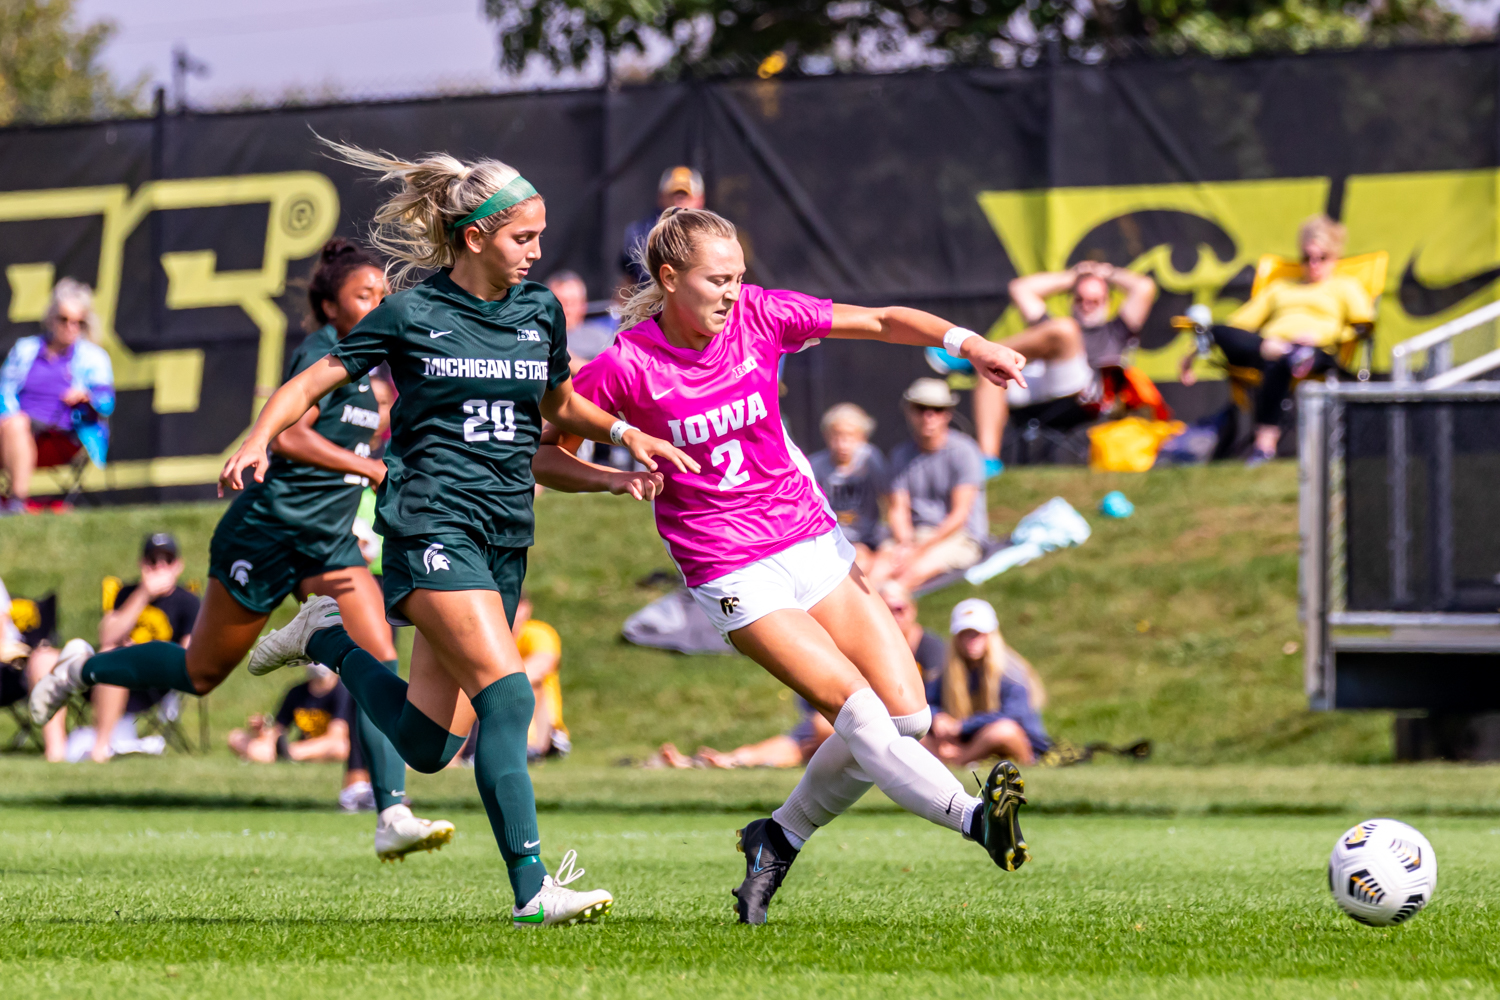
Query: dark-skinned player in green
x,y
479,356
291,534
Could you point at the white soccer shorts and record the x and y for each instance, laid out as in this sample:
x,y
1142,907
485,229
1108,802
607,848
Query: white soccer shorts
x,y
796,577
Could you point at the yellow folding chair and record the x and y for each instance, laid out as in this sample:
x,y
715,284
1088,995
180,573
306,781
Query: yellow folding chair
x,y
1369,269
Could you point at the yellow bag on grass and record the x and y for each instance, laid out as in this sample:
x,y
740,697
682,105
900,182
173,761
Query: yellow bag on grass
x,y
1129,445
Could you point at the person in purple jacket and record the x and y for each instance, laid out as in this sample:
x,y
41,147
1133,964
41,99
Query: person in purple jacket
x,y
53,386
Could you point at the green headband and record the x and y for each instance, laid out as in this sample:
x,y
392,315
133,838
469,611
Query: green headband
x,y
517,191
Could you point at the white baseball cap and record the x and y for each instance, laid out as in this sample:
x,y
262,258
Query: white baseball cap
x,y
974,614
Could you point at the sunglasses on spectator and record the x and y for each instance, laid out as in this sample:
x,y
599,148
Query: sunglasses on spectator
x,y
69,321
1316,258
919,408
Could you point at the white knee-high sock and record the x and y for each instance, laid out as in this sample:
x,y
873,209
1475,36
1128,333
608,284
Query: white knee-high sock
x,y
900,766
833,782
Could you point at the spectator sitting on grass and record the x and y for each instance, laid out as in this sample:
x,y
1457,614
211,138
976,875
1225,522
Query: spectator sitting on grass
x,y
937,514
319,710
541,654
987,698
44,382
796,747
852,475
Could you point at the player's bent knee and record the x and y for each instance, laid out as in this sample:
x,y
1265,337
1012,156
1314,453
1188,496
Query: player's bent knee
x,y
422,743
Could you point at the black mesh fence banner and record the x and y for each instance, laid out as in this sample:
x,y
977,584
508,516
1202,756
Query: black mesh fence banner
x,y
925,189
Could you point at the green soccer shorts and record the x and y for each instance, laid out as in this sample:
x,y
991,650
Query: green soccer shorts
x,y
260,568
453,561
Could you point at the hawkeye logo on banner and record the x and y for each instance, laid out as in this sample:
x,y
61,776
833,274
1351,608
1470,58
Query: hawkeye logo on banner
x,y
1201,243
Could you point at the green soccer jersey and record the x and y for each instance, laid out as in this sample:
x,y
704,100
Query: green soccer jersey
x,y
304,498
471,375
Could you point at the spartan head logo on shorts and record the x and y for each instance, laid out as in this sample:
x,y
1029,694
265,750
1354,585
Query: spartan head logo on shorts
x,y
239,572
433,558
728,604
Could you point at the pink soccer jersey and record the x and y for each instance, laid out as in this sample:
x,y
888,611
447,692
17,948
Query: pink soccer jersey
x,y
756,494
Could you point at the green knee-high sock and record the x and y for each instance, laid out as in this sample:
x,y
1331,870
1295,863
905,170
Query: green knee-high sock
x,y
387,769
145,665
504,710
381,696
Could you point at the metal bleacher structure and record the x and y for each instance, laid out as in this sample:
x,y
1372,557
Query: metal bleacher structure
x,y
1400,555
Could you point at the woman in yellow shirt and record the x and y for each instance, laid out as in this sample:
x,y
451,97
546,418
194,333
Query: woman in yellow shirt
x,y
1298,324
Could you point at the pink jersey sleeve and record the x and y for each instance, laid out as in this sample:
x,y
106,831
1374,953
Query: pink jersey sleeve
x,y
598,382
792,318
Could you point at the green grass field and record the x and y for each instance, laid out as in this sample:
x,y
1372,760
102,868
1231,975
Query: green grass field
x,y
1197,874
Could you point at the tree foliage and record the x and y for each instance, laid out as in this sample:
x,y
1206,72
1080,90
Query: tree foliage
x,y
737,36
49,67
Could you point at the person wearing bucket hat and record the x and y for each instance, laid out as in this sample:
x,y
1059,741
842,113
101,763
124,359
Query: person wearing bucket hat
x,y
758,546
936,511
987,696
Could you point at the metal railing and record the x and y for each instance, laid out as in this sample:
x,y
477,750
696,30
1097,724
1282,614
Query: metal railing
x,y
1438,342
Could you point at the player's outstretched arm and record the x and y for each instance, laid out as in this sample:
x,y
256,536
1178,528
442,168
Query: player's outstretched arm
x,y
556,466
573,414
301,443
900,325
285,407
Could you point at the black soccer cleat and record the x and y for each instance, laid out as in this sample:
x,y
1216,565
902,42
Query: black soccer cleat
x,y
1003,795
768,857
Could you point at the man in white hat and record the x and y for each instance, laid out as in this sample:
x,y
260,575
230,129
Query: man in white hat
x,y
937,513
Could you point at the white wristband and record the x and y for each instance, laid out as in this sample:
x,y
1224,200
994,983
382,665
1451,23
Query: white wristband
x,y
954,338
617,431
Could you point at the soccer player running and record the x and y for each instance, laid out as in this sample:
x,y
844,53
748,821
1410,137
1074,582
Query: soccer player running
x,y
291,533
758,546
480,356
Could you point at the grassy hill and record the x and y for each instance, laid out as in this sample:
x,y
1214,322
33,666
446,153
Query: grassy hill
x,y
1177,625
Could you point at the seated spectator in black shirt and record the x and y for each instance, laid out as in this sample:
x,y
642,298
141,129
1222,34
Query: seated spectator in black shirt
x,y
986,698
851,473
318,711
153,609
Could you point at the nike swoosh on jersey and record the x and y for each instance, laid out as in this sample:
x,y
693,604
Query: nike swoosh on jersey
x,y
659,395
364,388
434,334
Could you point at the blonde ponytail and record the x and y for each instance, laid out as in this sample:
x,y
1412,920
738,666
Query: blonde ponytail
x,y
673,240
413,227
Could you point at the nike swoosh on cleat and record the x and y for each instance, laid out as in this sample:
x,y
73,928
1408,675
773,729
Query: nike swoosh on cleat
x,y
758,869
531,843
535,918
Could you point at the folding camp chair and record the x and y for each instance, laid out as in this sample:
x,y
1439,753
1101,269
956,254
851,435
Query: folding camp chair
x,y
36,620
1369,269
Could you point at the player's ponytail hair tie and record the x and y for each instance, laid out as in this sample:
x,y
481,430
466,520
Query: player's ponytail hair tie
x,y
421,226
675,240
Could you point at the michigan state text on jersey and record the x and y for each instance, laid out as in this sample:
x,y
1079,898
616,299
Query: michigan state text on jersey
x,y
471,375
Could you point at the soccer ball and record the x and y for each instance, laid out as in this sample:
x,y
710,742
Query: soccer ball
x,y
1382,872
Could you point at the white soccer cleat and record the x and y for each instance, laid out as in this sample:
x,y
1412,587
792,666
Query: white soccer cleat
x,y
358,797
556,905
56,687
398,833
287,646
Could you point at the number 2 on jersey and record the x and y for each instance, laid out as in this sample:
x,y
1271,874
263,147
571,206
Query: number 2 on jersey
x,y
734,475
502,413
